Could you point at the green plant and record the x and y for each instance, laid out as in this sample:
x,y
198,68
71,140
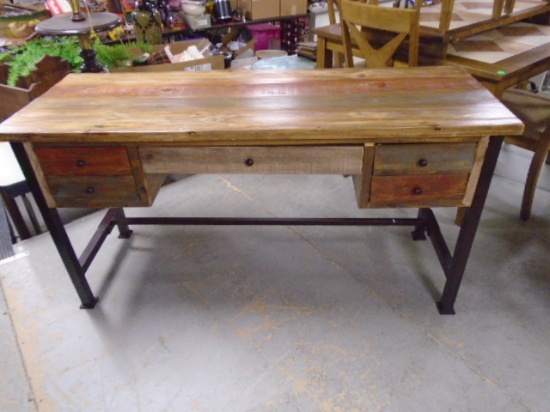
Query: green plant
x,y
22,59
117,54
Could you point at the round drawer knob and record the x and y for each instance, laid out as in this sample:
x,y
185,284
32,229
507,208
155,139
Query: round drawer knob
x,y
80,163
417,191
249,162
89,190
422,163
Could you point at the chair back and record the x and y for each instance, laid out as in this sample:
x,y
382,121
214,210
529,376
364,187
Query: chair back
x,y
369,25
334,6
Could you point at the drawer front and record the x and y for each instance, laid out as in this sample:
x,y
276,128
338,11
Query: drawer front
x,y
419,190
93,191
84,161
413,159
273,160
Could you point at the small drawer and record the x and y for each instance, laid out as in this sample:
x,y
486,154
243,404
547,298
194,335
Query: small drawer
x,y
413,159
420,190
84,161
93,191
253,159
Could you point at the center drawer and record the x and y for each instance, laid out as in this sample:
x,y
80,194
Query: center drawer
x,y
253,159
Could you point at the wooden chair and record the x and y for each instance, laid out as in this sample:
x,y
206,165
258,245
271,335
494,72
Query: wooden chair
x,y
330,48
533,110
12,186
365,25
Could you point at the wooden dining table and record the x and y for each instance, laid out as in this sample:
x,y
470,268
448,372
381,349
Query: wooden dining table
x,y
503,57
500,58
409,138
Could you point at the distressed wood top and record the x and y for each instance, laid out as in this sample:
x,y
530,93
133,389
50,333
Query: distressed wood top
x,y
337,106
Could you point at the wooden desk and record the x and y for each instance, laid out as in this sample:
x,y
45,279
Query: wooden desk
x,y
416,138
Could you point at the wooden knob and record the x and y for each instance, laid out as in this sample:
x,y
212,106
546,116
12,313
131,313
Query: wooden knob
x,y
89,190
249,162
417,191
422,163
80,163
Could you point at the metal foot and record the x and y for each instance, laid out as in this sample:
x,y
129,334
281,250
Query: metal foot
x,y
89,305
123,229
445,311
125,234
419,233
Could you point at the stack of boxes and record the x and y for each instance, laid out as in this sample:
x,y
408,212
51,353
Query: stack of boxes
x,y
266,9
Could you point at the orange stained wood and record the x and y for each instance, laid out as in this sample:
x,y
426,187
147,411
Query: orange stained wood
x,y
340,106
68,161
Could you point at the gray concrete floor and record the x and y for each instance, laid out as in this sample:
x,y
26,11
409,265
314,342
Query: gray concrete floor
x,y
284,318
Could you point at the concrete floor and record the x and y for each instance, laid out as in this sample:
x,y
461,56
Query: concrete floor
x,y
284,318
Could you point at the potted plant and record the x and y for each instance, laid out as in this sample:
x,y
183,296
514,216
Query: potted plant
x,y
28,70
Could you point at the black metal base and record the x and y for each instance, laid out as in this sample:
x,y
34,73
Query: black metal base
x,y
453,265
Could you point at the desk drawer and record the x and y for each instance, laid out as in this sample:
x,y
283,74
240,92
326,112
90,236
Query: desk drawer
x,y
253,159
93,191
420,190
413,159
419,175
84,161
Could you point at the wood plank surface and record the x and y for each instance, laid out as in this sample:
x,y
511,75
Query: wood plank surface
x,y
339,106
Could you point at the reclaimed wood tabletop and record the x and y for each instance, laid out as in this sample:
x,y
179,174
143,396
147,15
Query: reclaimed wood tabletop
x,y
339,106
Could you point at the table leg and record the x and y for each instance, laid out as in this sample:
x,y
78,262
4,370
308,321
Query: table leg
x,y
57,231
468,229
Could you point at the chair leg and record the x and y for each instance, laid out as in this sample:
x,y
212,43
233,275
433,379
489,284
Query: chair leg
x,y
32,215
541,153
16,216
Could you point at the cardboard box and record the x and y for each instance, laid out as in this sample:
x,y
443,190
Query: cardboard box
x,y
215,62
260,9
293,7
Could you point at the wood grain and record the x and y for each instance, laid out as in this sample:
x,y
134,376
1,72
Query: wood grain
x,y
340,106
423,158
93,191
362,182
476,170
253,160
433,190
84,161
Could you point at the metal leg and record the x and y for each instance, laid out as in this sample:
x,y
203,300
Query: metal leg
x,y
420,230
468,230
123,229
57,232
426,223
